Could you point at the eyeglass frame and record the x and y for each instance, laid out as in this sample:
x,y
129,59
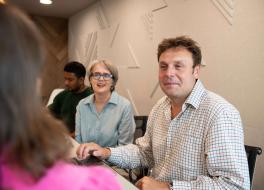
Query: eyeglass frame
x,y
105,76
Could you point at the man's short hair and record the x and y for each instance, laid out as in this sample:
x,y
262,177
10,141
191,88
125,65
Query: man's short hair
x,y
75,67
182,42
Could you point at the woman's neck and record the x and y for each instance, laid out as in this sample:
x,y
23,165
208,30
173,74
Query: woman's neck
x,y
102,98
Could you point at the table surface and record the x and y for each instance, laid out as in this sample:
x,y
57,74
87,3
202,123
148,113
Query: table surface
x,y
125,184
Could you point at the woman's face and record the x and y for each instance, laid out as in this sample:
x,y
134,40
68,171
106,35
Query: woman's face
x,y
101,79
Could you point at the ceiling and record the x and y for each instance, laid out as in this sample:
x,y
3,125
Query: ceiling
x,y
59,8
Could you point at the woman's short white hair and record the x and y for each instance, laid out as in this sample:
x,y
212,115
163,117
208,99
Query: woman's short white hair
x,y
111,67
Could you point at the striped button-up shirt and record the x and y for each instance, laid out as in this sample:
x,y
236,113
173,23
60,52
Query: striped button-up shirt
x,y
201,148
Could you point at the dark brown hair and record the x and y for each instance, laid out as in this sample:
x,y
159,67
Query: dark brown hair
x,y
182,42
29,137
75,67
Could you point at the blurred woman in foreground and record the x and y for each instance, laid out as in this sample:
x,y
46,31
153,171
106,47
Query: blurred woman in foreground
x,y
33,146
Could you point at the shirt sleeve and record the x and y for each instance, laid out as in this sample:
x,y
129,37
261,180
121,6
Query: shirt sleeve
x,y
125,156
126,127
78,137
226,160
134,155
54,107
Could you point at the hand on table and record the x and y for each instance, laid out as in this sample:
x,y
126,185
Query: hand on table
x,y
87,149
148,183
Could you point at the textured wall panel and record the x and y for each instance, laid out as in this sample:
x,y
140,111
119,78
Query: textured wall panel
x,y
147,20
101,16
226,7
158,4
134,58
55,33
90,48
131,99
113,34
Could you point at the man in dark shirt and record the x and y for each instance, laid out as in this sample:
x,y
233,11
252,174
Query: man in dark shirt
x,y
64,104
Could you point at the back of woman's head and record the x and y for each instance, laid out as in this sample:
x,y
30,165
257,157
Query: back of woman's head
x,y
27,135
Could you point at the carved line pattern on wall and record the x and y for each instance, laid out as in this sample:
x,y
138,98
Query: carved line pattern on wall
x,y
101,17
133,55
114,35
147,20
132,101
90,49
226,8
161,5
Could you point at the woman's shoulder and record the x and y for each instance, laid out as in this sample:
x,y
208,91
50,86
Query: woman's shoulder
x,y
86,100
85,178
120,99
62,175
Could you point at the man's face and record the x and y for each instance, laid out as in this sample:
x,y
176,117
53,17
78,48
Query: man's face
x,y
72,82
177,76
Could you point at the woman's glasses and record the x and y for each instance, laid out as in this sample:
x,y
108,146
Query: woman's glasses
x,y
105,76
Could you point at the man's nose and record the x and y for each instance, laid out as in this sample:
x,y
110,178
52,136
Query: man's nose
x,y
170,71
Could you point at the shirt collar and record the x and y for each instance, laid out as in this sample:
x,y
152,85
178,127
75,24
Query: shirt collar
x,y
113,99
196,95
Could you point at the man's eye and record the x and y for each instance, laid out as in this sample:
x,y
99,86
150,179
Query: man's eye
x,y
178,66
163,67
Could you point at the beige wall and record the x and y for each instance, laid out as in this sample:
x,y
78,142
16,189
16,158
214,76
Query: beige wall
x,y
230,33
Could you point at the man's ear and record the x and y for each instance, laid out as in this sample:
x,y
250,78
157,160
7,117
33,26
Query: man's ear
x,y
81,79
196,71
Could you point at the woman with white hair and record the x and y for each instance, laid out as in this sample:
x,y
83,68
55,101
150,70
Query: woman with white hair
x,y
104,117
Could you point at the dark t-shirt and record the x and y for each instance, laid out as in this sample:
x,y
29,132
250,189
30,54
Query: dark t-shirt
x,y
64,106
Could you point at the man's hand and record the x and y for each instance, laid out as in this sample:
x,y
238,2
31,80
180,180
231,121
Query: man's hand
x,y
88,149
148,183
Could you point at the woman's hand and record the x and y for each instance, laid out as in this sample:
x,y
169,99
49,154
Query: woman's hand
x,y
88,149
